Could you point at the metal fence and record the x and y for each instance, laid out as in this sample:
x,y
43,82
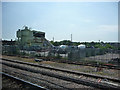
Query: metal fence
x,y
69,54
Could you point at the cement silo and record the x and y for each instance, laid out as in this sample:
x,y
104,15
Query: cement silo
x,y
30,38
63,46
24,36
81,46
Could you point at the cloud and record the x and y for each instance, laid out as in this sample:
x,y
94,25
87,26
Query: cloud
x,y
108,28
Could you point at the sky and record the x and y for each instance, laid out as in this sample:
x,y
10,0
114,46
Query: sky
x,y
86,21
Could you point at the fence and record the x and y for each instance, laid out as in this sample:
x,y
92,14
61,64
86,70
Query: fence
x,y
69,54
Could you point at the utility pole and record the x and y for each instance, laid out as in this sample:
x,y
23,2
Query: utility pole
x,y
53,39
71,37
99,41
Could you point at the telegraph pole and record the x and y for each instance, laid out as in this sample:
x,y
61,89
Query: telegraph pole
x,y
71,37
53,39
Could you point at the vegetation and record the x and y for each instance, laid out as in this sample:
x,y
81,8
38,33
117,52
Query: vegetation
x,y
92,44
64,42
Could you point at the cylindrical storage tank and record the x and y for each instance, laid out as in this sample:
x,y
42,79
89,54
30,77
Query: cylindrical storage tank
x,y
19,33
63,46
25,32
81,46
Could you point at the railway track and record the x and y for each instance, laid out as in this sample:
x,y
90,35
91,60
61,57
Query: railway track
x,y
34,78
102,85
43,81
116,67
52,83
22,83
65,70
108,66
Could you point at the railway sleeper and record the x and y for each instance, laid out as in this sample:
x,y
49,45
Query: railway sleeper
x,y
78,81
64,70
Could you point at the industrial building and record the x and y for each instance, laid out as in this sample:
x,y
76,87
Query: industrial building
x,y
31,38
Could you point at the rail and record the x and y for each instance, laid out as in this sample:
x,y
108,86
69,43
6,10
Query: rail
x,y
35,86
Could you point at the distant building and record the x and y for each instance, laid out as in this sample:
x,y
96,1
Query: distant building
x,y
28,38
81,46
6,42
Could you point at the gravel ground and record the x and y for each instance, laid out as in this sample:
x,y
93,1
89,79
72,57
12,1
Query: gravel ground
x,y
43,79
56,72
104,58
87,69
8,84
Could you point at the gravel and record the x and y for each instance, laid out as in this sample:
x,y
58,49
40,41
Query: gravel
x,y
8,84
46,80
55,72
43,79
87,69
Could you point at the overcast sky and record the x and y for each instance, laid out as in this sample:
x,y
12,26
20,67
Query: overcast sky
x,y
86,21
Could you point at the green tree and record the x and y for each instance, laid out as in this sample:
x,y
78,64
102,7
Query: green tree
x,y
107,46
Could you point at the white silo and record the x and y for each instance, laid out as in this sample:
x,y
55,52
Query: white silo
x,y
81,46
63,46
